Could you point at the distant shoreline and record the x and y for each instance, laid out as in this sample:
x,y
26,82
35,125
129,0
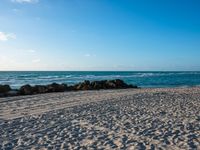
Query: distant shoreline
x,y
141,78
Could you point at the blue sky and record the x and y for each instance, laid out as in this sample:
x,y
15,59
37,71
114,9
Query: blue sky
x,y
100,35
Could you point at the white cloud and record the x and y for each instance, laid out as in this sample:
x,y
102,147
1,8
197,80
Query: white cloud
x,y
25,1
90,55
6,36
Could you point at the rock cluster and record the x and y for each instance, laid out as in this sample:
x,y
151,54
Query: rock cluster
x,y
38,89
104,84
5,90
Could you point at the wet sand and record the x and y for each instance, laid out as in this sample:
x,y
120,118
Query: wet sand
x,y
167,118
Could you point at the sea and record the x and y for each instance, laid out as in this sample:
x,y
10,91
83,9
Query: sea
x,y
148,79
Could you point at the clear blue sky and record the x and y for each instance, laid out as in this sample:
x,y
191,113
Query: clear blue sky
x,y
100,35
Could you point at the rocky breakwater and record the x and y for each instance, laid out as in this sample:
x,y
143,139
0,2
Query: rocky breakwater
x,y
5,90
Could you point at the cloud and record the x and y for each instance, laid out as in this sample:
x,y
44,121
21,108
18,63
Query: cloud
x,y
25,1
90,55
6,36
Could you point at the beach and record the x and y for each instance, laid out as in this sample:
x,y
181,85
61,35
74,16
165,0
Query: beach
x,y
146,118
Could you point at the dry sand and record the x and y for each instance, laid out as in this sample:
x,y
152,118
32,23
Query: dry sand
x,y
105,119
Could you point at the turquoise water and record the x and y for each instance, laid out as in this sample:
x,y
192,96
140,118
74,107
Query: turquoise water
x,y
142,79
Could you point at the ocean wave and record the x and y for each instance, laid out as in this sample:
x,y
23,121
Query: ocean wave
x,y
150,79
135,75
27,76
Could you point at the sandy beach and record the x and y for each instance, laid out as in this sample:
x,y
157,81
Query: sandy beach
x,y
155,118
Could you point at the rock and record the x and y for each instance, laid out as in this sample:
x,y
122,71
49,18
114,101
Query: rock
x,y
114,84
26,90
96,85
13,93
110,84
132,86
71,88
121,84
4,89
104,84
54,87
65,86
40,89
83,86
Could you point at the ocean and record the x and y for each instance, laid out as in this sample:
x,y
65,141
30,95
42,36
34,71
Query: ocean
x,y
142,79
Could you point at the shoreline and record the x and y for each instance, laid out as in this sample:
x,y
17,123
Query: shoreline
x,y
140,78
7,91
108,90
167,118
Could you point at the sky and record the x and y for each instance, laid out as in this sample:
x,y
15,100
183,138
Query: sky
x,y
100,35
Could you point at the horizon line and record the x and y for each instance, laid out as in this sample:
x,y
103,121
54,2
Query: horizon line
x,y
99,70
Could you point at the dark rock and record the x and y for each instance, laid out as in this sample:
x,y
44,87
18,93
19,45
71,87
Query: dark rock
x,y
40,89
110,84
86,82
54,87
76,87
132,86
117,84
96,85
26,90
65,86
70,88
4,89
121,84
104,84
83,86
13,93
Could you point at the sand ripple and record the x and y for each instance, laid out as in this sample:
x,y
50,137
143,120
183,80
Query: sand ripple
x,y
112,119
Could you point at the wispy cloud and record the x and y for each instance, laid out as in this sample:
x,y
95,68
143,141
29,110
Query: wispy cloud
x,y
90,55
25,1
7,36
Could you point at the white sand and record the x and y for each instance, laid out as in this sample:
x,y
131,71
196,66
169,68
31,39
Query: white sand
x,y
107,119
